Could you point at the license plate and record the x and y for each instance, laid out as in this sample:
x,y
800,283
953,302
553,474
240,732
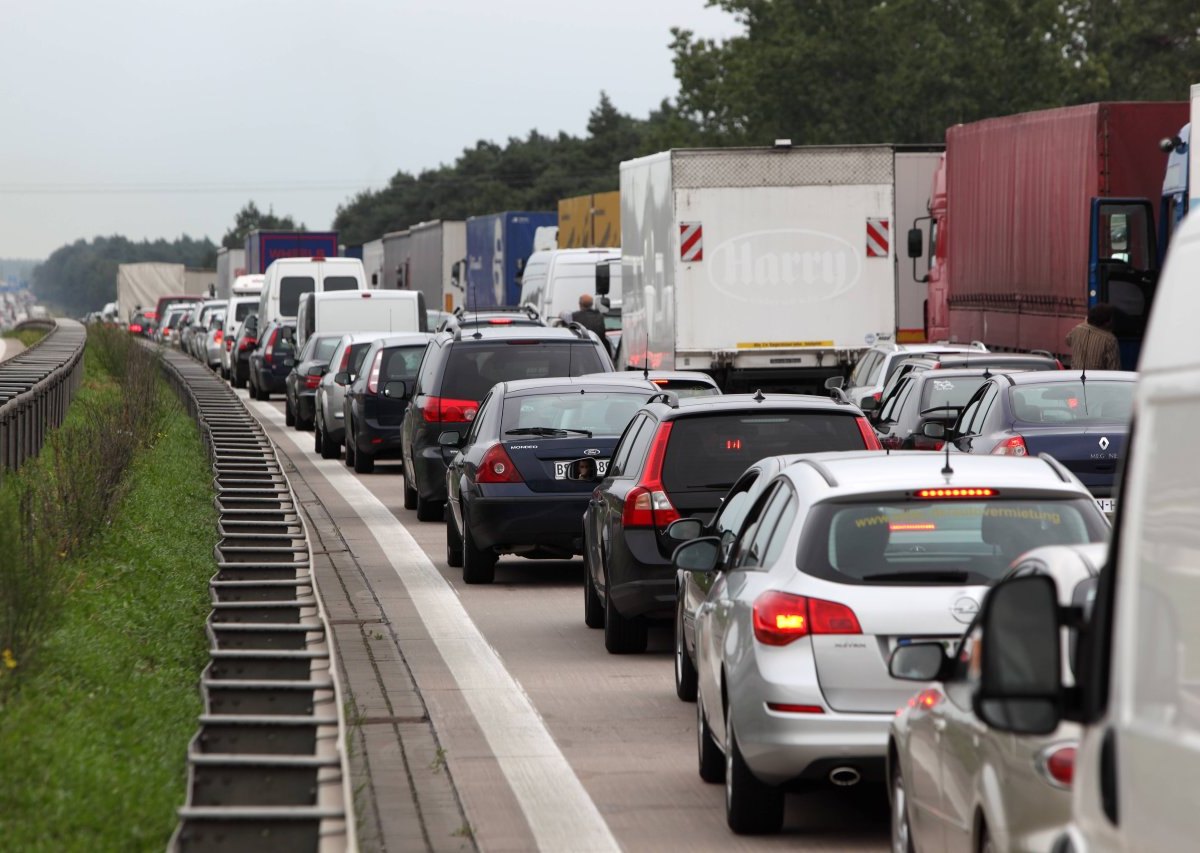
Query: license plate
x,y
948,644
1107,505
560,468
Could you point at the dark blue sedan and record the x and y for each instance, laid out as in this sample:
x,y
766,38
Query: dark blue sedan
x,y
511,488
1079,418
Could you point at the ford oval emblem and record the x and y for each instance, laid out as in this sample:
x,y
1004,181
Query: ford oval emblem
x,y
965,610
592,452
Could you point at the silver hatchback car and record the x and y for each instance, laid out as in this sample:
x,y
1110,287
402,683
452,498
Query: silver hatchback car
x,y
842,559
329,427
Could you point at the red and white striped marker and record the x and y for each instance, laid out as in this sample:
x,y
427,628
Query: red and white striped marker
x,y
691,241
877,238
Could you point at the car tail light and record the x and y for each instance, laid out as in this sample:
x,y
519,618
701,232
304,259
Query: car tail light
x,y
500,321
247,343
970,492
269,352
781,617
218,336
135,328
229,345
1059,363
1056,763
166,333
795,709
926,699
446,410
1014,446
868,434
924,442
373,377
647,504
312,380
497,467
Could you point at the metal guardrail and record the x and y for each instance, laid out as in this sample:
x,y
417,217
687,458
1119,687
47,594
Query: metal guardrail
x,y
36,387
267,769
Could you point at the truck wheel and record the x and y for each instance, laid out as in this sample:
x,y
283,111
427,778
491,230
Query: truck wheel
x,y
751,807
623,635
478,564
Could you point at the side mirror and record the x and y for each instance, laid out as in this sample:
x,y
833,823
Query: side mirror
x,y
933,430
835,382
449,438
918,662
342,377
869,404
916,243
395,389
685,529
605,302
1020,686
699,555
585,469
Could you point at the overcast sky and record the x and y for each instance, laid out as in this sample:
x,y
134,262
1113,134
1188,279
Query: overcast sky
x,y
155,118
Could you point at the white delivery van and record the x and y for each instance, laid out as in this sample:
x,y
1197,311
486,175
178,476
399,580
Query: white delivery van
x,y
287,279
345,312
1137,665
555,279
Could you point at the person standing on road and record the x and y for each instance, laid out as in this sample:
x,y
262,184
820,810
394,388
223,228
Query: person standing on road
x,y
1093,345
591,319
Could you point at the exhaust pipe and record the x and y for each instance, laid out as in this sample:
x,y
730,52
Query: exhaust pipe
x,y
844,777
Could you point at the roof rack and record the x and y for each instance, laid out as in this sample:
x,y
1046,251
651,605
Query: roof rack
x,y
578,330
825,473
668,397
1058,467
461,311
979,345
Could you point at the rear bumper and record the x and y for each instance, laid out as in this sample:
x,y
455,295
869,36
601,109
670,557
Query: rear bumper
x,y
640,581
553,521
375,440
429,472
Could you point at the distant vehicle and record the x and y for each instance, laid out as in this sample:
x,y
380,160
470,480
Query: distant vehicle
x,y
239,353
498,245
142,323
422,260
926,397
271,360
329,411
247,285
876,366
301,388
238,309
164,301
957,785
677,459
588,221
524,315
555,280
231,263
524,473
995,361
343,312
141,287
263,248
213,340
287,280
375,402
844,558
459,369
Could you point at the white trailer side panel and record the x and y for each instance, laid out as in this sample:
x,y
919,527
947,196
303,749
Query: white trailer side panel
x,y
648,239
141,285
395,261
914,177
373,263
199,282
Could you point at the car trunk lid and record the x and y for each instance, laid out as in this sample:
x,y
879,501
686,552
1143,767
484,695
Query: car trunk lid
x,y
1091,453
542,460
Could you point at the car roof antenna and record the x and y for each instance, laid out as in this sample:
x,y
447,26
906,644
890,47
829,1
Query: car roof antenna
x,y
947,470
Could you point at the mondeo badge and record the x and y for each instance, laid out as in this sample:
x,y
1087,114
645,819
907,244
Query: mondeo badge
x,y
965,610
1104,442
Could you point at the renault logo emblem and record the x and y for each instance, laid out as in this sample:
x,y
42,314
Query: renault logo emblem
x,y
592,452
965,610
1104,442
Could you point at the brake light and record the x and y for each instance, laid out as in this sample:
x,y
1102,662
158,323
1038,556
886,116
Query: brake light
x,y
247,343
166,333
911,526
795,709
312,380
647,504
869,438
135,327
218,336
1059,363
957,493
781,617
446,410
497,467
269,352
500,321
1057,765
373,378
1014,446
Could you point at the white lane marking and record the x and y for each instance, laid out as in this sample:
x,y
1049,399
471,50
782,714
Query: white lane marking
x,y
559,810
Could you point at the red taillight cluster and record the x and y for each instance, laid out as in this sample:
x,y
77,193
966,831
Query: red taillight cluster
x,y
247,343
497,466
1014,446
312,380
229,344
647,504
781,617
373,377
500,321
218,336
135,328
1057,765
269,351
870,439
446,410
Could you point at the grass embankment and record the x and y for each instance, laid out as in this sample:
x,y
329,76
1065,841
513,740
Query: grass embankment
x,y
29,337
97,712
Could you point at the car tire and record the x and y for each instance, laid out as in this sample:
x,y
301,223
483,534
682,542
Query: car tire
x,y
351,452
317,434
364,463
289,416
593,607
902,839
711,761
327,448
751,807
454,544
428,510
986,845
623,635
685,669
478,564
410,492
263,394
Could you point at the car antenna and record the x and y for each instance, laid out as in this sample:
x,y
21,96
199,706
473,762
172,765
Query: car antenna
x,y
473,307
1083,385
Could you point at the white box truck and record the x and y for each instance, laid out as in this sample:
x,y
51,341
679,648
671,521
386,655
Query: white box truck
x,y
141,286
230,264
768,267
372,259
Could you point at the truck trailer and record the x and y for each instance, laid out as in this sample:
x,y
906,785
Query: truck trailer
x,y
1043,215
140,286
264,247
767,267
230,264
430,253
498,245
590,221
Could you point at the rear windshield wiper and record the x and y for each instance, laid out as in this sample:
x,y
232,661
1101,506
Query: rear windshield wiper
x,y
931,576
547,431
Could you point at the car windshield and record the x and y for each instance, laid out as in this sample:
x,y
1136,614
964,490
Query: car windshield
x,y
1090,402
711,452
324,349
474,368
932,542
599,412
954,391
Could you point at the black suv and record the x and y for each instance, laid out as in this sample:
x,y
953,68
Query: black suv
x,y
458,370
678,458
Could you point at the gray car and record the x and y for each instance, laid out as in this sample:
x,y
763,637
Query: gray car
x,y
844,558
958,785
329,430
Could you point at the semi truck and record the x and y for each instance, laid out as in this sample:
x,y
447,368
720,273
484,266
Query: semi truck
x,y
425,260
590,221
263,247
768,267
230,264
141,286
498,245
1037,217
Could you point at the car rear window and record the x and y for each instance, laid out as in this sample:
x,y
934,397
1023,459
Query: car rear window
x,y
711,452
339,282
949,392
938,542
324,349
599,412
472,369
682,388
291,288
1091,402
244,310
401,362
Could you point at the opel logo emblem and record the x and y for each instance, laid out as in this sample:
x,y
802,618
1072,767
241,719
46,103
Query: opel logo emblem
x,y
592,452
1104,442
965,609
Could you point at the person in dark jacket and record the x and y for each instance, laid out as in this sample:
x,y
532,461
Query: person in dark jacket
x,y
588,317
